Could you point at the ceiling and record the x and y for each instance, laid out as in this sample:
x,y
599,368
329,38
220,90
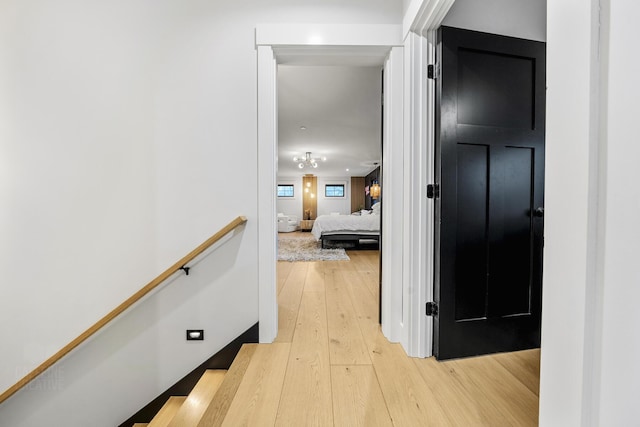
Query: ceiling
x,y
332,111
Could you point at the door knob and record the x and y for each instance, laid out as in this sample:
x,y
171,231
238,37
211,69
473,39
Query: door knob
x,y
539,212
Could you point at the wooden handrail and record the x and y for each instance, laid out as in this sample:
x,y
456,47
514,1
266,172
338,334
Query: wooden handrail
x,y
122,307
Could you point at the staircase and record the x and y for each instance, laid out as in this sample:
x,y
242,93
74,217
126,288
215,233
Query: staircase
x,y
245,394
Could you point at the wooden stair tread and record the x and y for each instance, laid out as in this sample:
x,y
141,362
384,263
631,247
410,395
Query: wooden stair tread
x,y
140,424
217,410
199,399
167,412
256,401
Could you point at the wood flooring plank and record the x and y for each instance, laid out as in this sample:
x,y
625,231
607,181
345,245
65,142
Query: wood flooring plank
x,y
256,401
346,344
358,281
289,301
357,261
168,411
463,407
488,380
306,394
371,282
338,265
195,405
283,269
409,400
315,277
217,410
365,260
366,307
524,365
357,398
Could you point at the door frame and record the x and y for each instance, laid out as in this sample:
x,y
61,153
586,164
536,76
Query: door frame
x,y
421,21
310,37
407,281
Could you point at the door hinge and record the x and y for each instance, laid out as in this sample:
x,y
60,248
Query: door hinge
x,y
433,71
433,191
432,309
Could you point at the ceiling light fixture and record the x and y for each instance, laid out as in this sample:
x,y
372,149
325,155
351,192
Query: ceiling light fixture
x,y
307,160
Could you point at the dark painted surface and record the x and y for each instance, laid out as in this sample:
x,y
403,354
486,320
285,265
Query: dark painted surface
x,y
221,360
374,175
490,166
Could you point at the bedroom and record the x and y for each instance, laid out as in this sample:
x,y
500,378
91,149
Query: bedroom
x,y
329,121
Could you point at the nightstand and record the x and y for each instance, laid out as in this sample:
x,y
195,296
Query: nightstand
x,y
306,224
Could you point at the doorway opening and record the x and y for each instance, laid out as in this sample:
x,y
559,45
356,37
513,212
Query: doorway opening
x,y
345,42
329,127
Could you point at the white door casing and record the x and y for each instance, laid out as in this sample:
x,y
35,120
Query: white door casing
x,y
419,30
340,39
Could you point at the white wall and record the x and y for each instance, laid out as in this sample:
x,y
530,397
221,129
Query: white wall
x,y
291,205
77,192
121,123
327,205
516,18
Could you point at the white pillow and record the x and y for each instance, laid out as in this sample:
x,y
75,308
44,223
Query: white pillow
x,y
376,207
365,212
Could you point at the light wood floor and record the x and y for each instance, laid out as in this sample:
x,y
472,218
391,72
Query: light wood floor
x,y
340,370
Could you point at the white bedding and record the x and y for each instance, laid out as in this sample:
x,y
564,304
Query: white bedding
x,y
347,224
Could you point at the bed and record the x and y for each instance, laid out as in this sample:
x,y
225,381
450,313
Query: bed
x,y
346,228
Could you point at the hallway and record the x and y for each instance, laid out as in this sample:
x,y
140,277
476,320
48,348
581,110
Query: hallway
x,y
342,371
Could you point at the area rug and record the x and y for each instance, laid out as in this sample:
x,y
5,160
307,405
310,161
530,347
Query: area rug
x,y
301,247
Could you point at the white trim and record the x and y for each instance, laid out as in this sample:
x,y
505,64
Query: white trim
x,y
596,213
423,16
267,231
420,23
430,129
393,189
418,284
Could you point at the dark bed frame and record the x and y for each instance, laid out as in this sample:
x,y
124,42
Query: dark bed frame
x,y
348,238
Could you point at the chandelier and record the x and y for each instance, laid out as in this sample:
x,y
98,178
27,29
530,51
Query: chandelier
x,y
308,161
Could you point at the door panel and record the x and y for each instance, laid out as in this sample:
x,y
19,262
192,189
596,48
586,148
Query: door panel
x,y
511,263
471,262
490,167
505,80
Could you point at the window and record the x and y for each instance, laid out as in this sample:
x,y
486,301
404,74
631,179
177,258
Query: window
x,y
285,190
334,190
